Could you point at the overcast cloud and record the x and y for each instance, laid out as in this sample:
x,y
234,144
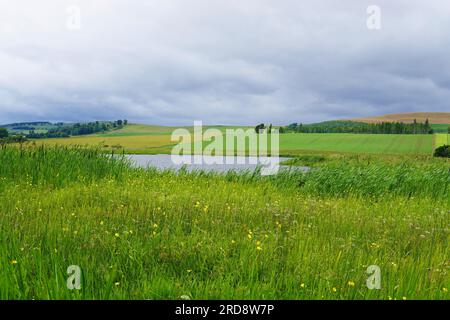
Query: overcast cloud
x,y
221,61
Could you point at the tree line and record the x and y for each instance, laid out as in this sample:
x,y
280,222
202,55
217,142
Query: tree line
x,y
62,131
78,129
5,137
260,128
360,127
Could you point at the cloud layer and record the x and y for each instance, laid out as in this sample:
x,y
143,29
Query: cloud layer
x,y
221,61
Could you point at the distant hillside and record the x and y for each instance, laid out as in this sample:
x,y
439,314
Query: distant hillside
x,y
433,117
35,123
36,126
41,130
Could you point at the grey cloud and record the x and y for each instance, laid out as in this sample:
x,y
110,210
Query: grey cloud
x,y
221,61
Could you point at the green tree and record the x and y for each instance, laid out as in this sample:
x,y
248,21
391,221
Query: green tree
x,y
260,127
3,133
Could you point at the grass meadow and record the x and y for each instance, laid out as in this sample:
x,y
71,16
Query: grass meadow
x,y
143,234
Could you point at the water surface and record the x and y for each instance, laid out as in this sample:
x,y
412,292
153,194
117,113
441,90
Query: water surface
x,y
220,164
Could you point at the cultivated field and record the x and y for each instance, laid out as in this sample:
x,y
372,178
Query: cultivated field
x,y
148,143
433,117
356,143
155,139
140,234
440,128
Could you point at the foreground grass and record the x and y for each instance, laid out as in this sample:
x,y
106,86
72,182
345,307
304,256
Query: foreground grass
x,y
146,235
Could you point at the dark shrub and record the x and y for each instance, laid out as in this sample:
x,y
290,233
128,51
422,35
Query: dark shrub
x,y
443,152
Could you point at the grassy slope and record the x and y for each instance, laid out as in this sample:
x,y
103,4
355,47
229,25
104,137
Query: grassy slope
x,y
143,235
156,139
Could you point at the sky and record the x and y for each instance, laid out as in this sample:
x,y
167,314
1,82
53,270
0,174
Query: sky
x,y
171,62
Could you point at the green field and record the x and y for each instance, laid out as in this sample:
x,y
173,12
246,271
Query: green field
x,y
442,139
156,139
357,143
440,128
140,234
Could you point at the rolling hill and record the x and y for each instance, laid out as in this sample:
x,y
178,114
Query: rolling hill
x,y
433,117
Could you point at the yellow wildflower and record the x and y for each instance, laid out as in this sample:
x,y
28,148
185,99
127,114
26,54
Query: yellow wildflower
x,y
374,245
